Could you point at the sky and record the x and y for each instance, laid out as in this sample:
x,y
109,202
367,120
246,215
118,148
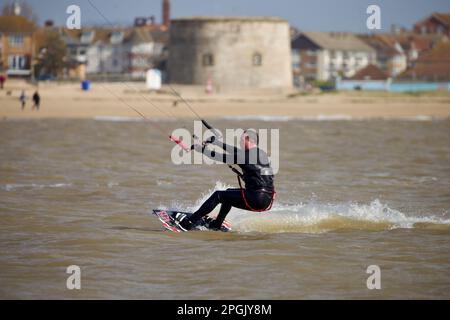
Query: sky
x,y
306,15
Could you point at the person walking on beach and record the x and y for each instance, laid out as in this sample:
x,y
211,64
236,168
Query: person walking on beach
x,y
2,81
36,100
23,99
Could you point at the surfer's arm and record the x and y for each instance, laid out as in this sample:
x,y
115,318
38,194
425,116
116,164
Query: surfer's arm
x,y
226,147
229,158
234,155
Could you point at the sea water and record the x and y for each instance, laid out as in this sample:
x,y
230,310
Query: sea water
x,y
351,193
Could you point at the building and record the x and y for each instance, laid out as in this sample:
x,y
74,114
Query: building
x,y
391,57
17,45
370,78
99,50
117,52
120,52
146,49
230,52
414,45
371,72
165,18
437,23
432,66
326,56
107,52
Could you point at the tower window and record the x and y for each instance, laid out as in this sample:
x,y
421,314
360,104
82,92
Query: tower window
x,y
208,59
257,59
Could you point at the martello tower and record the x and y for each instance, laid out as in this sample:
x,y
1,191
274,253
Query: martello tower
x,y
233,52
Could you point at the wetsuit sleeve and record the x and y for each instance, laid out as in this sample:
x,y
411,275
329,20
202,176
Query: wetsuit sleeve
x,y
229,158
226,147
235,155
217,156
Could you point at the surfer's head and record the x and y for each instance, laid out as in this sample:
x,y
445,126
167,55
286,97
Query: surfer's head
x,y
249,139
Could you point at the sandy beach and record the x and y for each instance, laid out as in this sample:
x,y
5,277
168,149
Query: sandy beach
x,y
67,100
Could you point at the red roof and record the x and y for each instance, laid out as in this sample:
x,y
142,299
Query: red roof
x,y
419,42
433,65
443,17
441,53
371,72
16,24
382,44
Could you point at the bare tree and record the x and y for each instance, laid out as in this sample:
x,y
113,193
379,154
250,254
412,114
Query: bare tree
x,y
52,55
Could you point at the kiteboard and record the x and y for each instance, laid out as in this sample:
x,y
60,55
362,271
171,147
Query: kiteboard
x,y
167,218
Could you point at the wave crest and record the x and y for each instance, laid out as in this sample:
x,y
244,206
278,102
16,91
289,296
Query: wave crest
x,y
319,218
316,217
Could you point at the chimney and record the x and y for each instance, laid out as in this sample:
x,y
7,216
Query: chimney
x,y
166,13
139,21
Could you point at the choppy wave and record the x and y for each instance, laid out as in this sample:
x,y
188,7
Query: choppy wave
x,y
323,117
258,118
132,119
117,119
329,117
319,218
18,186
163,183
420,118
273,118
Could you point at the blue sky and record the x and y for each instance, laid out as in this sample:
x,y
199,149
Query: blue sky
x,y
308,15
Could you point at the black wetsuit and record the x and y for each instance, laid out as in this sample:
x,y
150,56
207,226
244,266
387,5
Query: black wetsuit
x,y
36,100
257,175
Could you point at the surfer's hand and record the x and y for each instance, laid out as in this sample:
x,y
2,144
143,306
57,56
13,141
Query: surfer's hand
x,y
210,140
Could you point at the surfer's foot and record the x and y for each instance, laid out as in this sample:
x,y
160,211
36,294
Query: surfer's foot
x,y
182,221
214,225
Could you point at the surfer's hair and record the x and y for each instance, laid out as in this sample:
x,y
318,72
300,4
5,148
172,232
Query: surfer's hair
x,y
252,135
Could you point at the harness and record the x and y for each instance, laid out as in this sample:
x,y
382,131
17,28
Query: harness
x,y
272,193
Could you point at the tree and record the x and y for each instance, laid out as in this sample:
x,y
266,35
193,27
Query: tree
x,y
51,58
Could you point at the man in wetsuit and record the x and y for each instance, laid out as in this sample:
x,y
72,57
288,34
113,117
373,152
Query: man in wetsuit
x,y
256,173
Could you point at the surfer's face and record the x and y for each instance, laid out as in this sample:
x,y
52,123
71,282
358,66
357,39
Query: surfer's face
x,y
243,141
246,143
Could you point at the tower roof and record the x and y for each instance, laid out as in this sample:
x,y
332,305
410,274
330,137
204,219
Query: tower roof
x,y
230,19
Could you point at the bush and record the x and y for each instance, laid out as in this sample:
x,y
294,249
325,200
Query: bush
x,y
324,85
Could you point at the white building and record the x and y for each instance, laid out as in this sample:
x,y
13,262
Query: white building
x,y
326,56
145,49
391,57
120,52
107,52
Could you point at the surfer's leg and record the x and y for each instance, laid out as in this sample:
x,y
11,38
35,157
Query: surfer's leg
x,y
224,209
206,207
233,198
228,198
